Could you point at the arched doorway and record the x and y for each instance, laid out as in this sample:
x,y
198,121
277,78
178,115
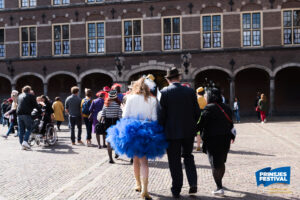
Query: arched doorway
x,y
95,82
60,85
220,78
287,95
247,83
158,74
36,84
5,88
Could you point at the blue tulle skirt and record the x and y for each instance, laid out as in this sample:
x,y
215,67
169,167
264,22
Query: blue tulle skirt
x,y
132,137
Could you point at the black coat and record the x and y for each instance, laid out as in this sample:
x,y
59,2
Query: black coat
x,y
179,111
215,128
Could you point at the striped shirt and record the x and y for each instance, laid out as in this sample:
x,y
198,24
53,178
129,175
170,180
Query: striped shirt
x,y
112,111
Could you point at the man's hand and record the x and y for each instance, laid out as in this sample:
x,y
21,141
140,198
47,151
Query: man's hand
x,y
232,141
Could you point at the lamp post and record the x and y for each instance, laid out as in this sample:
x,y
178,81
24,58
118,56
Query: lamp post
x,y
186,61
119,61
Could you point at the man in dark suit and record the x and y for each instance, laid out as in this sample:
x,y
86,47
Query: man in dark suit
x,y
179,114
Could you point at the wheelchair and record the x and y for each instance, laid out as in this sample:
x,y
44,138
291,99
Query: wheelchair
x,y
36,137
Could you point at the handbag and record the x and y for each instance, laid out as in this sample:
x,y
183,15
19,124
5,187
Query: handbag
x,y
100,127
257,109
233,130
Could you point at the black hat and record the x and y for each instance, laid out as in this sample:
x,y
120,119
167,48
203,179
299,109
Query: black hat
x,y
112,94
172,72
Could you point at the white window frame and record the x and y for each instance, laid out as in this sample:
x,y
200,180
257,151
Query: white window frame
x,y
20,41
28,2
162,33
132,36
87,37
61,3
95,1
292,27
3,5
53,40
4,37
251,29
211,31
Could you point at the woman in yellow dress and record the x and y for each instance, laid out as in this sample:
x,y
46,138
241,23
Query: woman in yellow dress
x,y
58,109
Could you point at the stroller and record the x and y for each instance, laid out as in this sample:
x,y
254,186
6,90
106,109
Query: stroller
x,y
36,137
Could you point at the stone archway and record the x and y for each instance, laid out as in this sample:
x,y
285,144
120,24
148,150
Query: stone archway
x,y
5,88
95,82
219,77
249,81
287,96
60,85
36,83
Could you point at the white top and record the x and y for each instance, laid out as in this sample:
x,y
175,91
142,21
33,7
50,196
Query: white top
x,y
137,107
235,106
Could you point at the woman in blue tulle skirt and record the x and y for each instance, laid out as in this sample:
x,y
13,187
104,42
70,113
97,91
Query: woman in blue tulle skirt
x,y
138,135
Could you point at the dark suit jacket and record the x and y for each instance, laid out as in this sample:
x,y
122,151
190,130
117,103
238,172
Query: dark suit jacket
x,y
179,111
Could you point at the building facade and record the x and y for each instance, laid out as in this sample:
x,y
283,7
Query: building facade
x,y
243,46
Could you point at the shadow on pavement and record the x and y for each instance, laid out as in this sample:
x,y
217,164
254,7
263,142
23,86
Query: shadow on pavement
x,y
165,165
57,149
242,195
249,153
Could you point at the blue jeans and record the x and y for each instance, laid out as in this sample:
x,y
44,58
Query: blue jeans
x,y
237,115
73,121
24,127
88,125
10,128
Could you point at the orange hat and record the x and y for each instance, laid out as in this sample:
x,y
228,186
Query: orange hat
x,y
200,89
113,87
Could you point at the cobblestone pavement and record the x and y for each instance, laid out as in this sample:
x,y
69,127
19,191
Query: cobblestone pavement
x,y
80,172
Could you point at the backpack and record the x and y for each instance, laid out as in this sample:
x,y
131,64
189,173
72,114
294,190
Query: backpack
x,y
86,106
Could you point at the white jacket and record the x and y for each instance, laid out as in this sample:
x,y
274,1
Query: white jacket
x,y
137,107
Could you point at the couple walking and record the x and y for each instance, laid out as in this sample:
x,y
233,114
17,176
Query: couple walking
x,y
149,127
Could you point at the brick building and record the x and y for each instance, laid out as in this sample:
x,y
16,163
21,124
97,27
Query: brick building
x,y
244,46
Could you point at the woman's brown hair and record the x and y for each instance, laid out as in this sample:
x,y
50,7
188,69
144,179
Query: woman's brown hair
x,y
109,100
139,87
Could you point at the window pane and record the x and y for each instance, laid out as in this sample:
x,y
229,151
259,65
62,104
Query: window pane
x,y
57,48
25,49
206,23
56,2
24,34
128,44
100,29
167,42
91,0
57,32
137,27
1,3
33,49
91,31
167,25
246,21
1,35
137,44
256,38
32,34
247,38
92,46
66,47
65,1
256,20
65,31
176,41
217,39
176,25
100,45
287,18
128,28
206,40
297,36
99,0
32,3
217,23
25,3
287,36
2,50
297,18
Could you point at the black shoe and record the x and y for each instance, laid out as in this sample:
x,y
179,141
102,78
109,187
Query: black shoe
x,y
176,196
111,161
193,190
131,161
116,156
99,147
104,146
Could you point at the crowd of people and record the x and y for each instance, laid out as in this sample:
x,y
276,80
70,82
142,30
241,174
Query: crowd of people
x,y
143,123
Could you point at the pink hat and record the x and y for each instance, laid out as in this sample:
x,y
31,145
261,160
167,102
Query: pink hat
x,y
106,89
116,85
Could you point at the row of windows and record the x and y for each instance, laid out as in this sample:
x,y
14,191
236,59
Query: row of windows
x,y
132,34
33,3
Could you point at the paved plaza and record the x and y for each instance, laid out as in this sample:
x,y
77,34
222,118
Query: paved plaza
x,y
66,172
